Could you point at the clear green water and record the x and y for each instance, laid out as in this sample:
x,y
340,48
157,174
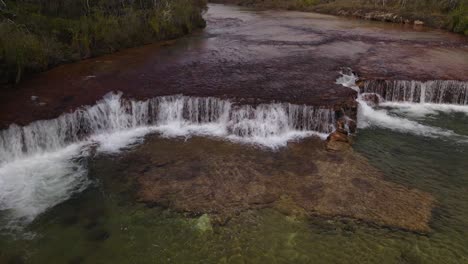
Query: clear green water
x,y
105,224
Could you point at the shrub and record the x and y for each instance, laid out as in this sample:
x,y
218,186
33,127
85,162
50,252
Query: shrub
x,y
459,18
20,50
37,34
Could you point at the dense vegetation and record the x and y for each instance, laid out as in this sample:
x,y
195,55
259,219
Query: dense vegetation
x,y
459,18
448,14
38,34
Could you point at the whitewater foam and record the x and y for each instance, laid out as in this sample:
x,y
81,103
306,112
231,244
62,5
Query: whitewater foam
x,y
114,142
30,186
348,79
43,164
425,109
369,116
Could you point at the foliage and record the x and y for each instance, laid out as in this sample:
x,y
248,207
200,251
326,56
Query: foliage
x,y
449,14
38,34
286,4
453,13
20,50
459,18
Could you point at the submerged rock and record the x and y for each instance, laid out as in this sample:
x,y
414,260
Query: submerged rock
x,y
224,179
203,223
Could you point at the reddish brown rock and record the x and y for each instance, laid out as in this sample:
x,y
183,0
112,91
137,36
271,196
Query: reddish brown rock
x,y
339,140
352,125
224,179
360,83
337,146
371,98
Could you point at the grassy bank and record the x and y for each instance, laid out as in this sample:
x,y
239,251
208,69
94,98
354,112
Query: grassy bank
x,y
447,14
36,35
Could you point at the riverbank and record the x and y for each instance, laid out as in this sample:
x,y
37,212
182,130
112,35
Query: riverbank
x,y
36,36
448,15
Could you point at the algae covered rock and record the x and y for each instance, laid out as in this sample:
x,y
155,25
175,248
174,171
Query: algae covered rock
x,y
203,223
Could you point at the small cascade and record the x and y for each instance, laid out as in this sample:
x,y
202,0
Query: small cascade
x,y
436,92
113,114
43,163
410,98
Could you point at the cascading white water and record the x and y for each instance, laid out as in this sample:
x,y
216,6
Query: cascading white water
x,y
437,92
421,98
40,165
165,114
400,91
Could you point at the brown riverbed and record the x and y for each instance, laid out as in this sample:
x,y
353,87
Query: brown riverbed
x,y
251,57
224,179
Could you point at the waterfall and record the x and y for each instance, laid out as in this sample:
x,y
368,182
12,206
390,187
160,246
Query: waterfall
x,y
377,101
113,114
43,163
438,92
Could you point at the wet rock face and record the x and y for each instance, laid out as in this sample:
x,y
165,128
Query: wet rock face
x,y
222,179
372,99
339,140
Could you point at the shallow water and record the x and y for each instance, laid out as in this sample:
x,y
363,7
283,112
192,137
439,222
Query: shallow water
x,y
95,215
105,224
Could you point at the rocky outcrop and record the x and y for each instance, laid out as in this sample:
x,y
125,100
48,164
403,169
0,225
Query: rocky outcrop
x,y
372,99
339,139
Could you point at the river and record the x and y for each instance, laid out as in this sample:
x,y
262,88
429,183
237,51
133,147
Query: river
x,y
210,149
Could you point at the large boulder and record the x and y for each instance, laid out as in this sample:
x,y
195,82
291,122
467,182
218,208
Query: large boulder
x,y
339,140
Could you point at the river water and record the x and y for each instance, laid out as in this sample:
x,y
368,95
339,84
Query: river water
x,y
148,175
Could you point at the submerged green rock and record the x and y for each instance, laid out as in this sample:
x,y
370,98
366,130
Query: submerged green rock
x,y
203,223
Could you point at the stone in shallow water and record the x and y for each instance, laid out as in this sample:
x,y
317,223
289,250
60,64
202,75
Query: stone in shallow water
x,y
203,223
338,141
224,179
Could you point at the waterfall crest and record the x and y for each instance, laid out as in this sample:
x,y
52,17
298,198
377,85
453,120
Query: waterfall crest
x,y
377,99
113,114
43,163
437,92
